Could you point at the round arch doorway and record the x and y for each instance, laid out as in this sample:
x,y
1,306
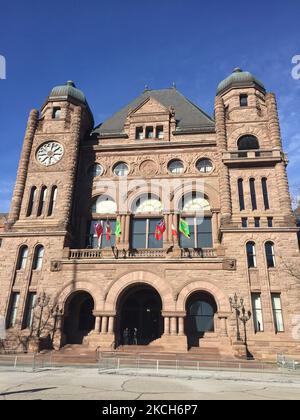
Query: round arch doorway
x,y
79,320
201,308
139,319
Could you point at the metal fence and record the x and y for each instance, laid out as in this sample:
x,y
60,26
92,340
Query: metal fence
x,y
126,364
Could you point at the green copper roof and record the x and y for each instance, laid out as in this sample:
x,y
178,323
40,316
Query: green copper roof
x,y
66,91
239,78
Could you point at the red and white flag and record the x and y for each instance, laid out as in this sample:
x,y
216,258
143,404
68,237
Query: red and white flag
x,y
160,229
108,231
99,231
174,232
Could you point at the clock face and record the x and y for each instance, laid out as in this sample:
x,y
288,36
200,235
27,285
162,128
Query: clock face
x,y
50,153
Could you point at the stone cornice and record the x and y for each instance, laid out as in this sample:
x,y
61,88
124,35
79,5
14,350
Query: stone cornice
x,y
156,146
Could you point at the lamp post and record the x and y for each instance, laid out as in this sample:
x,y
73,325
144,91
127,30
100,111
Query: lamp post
x,y
245,317
236,305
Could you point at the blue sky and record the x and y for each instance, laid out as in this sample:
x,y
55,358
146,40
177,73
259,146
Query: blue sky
x,y
112,49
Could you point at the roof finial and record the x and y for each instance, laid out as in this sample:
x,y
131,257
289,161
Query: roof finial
x,y
237,70
146,88
174,85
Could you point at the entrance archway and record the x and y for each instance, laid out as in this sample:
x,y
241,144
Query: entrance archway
x,y
139,307
79,319
200,312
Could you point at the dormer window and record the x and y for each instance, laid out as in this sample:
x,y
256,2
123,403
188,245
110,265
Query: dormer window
x,y
149,133
160,132
243,100
56,113
139,133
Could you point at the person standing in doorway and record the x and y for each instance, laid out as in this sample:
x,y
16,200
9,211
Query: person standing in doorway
x,y
126,337
135,334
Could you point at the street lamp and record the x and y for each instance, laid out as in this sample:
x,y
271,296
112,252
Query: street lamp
x,y
245,317
236,305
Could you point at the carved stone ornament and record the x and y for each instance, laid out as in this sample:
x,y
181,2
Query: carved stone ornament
x,y
148,167
55,266
229,265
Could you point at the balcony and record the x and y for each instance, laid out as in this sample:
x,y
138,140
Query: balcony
x,y
131,254
252,157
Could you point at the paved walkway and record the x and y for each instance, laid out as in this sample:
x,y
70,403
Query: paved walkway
x,y
87,384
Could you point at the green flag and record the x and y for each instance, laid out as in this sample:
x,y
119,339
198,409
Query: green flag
x,y
118,229
184,228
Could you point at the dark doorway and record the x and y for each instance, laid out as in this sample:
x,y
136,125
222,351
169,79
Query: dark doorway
x,y
200,310
139,308
79,319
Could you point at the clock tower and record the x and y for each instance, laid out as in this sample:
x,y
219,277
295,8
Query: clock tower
x,y
46,176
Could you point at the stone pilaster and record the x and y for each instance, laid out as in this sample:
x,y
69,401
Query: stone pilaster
x,y
273,121
23,167
283,191
225,193
71,173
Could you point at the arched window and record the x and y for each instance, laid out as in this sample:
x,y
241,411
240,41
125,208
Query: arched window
x,y
38,258
104,205
241,194
270,254
253,193
264,185
53,198
251,254
248,142
22,258
31,202
200,313
199,224
102,208
147,203
144,223
42,202
194,202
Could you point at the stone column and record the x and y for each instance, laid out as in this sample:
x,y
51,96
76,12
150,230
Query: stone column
x,y
111,322
167,325
98,324
122,220
181,325
215,229
173,325
273,121
224,179
127,230
223,325
104,325
18,194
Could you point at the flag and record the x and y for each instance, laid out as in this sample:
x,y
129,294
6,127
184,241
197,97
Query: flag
x,y
160,229
118,229
174,232
108,231
184,228
99,231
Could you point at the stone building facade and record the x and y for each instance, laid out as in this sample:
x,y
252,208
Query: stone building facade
x,y
161,158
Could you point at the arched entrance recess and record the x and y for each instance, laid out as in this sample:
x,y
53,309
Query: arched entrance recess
x,y
139,307
201,308
78,320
